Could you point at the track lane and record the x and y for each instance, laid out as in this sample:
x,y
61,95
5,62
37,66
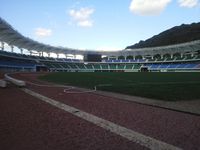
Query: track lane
x,y
27,123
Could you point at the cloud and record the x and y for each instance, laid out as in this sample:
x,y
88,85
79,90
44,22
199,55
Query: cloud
x,y
42,32
188,3
85,23
82,16
148,7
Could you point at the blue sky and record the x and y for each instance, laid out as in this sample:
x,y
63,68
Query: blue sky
x,y
97,24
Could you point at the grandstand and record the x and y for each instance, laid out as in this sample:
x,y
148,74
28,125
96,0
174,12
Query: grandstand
x,y
179,57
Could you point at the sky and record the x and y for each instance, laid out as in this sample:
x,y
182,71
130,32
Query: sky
x,y
96,24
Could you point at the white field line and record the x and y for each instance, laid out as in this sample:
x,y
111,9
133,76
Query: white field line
x,y
66,88
129,134
78,92
146,83
159,83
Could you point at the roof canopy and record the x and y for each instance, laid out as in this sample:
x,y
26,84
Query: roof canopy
x,y
12,37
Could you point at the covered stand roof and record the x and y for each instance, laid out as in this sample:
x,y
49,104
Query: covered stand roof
x,y
12,37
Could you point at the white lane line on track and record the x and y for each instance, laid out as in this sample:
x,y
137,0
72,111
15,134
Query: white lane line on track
x,y
129,134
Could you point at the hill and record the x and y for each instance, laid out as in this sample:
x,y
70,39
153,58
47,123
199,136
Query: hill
x,y
175,35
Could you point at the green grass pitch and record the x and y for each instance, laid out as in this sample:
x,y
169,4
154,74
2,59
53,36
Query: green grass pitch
x,y
161,86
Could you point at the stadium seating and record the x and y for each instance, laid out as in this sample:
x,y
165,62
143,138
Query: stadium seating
x,y
104,66
97,66
128,66
121,66
112,66
166,62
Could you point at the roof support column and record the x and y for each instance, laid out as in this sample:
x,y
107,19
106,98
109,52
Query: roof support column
x,y
143,57
21,50
48,54
31,53
12,48
57,55
2,46
74,56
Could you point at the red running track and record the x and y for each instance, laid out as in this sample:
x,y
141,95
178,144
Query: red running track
x,y
30,124
179,129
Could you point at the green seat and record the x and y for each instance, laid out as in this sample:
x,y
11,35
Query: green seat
x,y
97,66
129,66
89,66
121,66
112,66
137,66
104,66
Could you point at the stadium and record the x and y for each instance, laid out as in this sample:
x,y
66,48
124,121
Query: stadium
x,y
128,99
171,58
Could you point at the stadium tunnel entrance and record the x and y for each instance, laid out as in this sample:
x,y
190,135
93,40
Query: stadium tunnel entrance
x,y
144,69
